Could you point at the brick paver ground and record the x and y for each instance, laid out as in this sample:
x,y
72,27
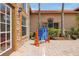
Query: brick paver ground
x,y
54,48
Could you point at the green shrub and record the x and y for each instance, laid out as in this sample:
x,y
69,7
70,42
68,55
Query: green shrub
x,y
53,31
74,33
78,32
67,33
31,34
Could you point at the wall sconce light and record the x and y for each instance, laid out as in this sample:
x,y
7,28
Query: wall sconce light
x,y
19,10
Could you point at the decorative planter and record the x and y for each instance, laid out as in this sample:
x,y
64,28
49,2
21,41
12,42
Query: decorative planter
x,y
74,37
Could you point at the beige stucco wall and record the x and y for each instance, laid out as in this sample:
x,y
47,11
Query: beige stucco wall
x,y
43,17
69,20
33,22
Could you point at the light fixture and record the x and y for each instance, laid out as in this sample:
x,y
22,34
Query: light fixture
x,y
19,10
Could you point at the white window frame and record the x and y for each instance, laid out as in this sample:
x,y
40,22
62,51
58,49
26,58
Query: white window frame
x,y
6,28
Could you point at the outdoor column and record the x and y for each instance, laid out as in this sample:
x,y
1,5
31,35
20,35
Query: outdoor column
x,y
14,30
62,21
39,20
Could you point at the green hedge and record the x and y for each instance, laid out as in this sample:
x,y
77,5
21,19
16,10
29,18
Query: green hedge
x,y
53,31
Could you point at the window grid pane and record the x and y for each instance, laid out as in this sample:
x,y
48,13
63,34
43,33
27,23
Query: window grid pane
x,y
5,32
8,44
56,25
23,26
2,18
8,18
3,47
2,27
3,37
8,36
2,8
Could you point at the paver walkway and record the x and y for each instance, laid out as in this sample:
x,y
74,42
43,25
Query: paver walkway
x,y
54,48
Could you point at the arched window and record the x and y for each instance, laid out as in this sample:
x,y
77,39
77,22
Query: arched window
x,y
50,22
